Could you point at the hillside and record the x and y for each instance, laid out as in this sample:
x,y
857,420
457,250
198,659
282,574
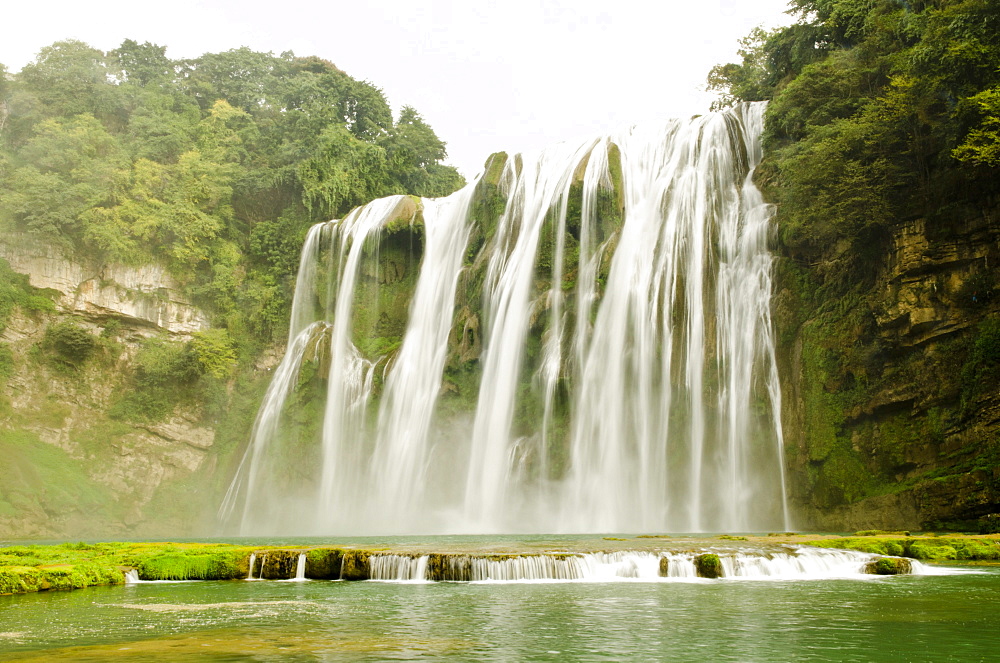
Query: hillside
x,y
882,152
152,213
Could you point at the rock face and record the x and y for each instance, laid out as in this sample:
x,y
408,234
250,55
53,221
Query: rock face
x,y
74,466
146,294
74,470
892,390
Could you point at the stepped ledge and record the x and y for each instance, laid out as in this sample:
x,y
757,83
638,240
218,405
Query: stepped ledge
x,y
29,568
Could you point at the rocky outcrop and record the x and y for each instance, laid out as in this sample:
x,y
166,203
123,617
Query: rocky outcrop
x,y
73,469
892,389
928,285
145,294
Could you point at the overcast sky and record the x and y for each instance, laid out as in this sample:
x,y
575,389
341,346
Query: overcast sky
x,y
487,75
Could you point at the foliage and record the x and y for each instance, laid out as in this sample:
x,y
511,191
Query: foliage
x,y
982,367
164,373
880,110
71,343
215,351
213,166
982,143
16,292
882,115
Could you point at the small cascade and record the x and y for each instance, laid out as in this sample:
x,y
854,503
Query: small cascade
x,y
263,563
253,560
800,564
300,567
803,563
400,568
131,577
677,566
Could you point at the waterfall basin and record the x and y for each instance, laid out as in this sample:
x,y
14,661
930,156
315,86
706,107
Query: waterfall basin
x,y
869,618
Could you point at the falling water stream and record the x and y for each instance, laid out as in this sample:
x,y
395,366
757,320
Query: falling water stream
x,y
624,375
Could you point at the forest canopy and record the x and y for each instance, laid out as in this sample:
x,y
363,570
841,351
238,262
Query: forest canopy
x,y
880,111
215,166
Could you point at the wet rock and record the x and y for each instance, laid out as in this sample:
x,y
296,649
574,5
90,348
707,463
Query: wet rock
x,y
708,565
889,566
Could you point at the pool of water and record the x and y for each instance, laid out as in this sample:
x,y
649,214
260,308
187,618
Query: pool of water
x,y
902,618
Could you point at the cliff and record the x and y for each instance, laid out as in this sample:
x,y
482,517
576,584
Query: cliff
x,y
892,388
92,444
142,295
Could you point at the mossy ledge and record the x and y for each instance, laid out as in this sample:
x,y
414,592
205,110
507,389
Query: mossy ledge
x,y
33,568
943,548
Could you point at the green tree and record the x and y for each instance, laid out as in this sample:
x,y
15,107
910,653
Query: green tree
x,y
982,143
69,167
69,78
142,64
215,351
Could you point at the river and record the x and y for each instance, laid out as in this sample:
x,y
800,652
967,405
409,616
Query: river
x,y
952,617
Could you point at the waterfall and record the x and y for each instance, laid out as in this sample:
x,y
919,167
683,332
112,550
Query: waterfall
x,y
791,564
253,560
580,341
300,567
398,567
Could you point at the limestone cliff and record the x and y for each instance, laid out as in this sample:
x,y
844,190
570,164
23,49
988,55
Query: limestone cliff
x,y
892,388
145,295
92,446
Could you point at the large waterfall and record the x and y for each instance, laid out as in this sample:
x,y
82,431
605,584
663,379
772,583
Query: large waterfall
x,y
579,341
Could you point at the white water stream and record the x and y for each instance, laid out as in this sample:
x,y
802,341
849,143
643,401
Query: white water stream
x,y
800,564
644,337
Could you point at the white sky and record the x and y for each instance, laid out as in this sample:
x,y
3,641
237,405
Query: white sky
x,y
487,75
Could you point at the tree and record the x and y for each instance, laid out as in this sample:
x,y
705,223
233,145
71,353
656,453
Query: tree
x,y
982,143
414,156
143,64
69,78
69,166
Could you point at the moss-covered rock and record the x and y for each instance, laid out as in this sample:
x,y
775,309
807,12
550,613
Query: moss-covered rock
x,y
324,563
445,568
889,566
24,579
664,567
932,549
708,565
355,565
277,564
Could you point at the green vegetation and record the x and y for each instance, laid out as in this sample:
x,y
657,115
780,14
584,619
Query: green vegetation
x,y
76,565
883,115
708,565
214,166
16,293
889,566
931,549
70,343
39,479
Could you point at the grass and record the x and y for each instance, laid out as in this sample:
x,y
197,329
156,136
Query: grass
x,y
925,548
32,568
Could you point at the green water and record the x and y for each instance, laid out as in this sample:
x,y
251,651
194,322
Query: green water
x,y
919,618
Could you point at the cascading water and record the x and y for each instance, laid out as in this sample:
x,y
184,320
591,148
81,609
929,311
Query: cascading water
x,y
789,564
585,346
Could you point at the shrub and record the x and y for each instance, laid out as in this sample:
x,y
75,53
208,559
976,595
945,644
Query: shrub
x,y
215,352
71,343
